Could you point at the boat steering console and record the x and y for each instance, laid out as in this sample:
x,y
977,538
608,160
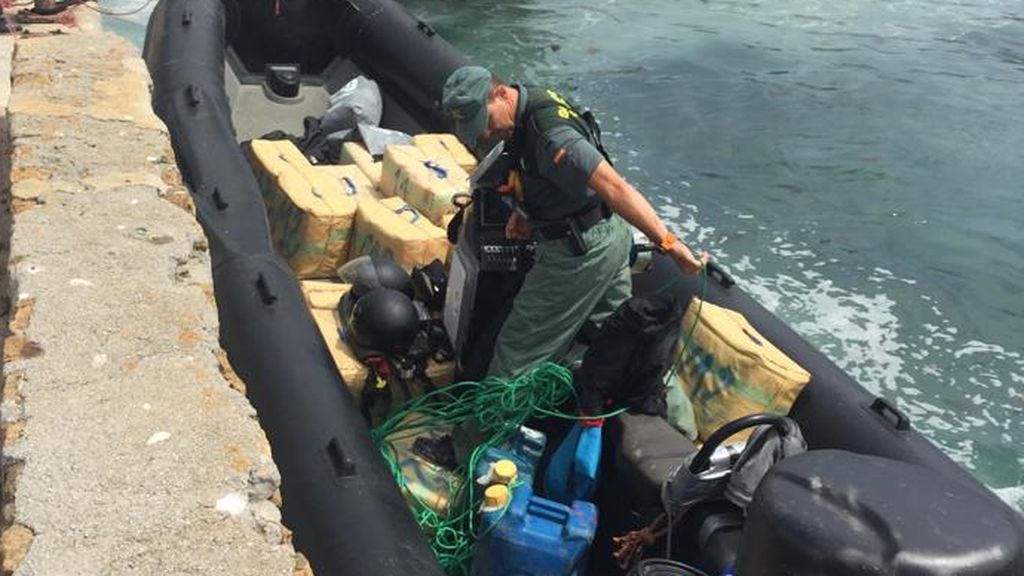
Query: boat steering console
x,y
487,268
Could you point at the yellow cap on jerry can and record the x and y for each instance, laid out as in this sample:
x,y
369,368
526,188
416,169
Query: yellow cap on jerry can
x,y
504,472
495,497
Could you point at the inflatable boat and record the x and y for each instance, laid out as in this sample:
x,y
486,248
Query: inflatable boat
x,y
870,495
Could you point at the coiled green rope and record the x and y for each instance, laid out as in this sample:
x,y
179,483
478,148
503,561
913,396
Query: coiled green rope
x,y
495,406
498,408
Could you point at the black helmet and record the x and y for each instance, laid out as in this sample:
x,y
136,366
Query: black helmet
x,y
383,321
367,273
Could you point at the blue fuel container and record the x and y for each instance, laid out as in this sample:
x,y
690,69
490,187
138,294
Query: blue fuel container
x,y
529,444
574,466
525,449
535,536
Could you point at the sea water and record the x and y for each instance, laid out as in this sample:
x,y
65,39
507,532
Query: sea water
x,y
858,166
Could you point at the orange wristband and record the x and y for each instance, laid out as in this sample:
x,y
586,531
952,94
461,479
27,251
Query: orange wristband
x,y
668,242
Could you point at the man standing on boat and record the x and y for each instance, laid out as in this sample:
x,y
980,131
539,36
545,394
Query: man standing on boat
x,y
568,194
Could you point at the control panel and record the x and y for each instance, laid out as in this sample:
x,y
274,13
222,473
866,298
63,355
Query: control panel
x,y
505,257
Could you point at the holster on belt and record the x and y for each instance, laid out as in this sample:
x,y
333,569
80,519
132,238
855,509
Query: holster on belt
x,y
572,227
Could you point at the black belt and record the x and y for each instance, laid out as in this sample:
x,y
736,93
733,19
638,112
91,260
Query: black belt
x,y
583,220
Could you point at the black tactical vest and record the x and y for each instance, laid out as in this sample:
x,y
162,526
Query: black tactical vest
x,y
545,110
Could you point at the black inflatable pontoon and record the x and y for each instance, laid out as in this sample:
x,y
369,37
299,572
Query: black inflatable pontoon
x,y
871,497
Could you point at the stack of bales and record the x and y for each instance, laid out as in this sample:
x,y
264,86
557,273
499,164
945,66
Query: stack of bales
x,y
321,216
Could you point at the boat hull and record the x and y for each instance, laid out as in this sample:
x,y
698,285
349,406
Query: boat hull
x,y
340,501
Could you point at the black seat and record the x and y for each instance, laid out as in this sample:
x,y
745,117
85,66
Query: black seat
x,y
648,451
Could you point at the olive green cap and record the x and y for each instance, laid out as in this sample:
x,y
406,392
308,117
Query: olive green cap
x,y
464,100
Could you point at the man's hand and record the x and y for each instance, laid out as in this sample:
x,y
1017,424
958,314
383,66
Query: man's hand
x,y
517,228
684,258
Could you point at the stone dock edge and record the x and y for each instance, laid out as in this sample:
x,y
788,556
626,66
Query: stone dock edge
x,y
128,446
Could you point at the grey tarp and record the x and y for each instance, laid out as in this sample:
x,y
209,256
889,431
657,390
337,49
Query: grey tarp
x,y
356,109
766,446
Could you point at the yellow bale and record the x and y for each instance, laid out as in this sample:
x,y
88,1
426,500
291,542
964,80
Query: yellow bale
x,y
438,236
322,294
436,145
729,370
355,153
322,299
425,482
267,163
428,183
352,179
291,154
310,213
380,230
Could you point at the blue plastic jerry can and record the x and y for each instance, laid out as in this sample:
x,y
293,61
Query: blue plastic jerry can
x,y
574,467
524,449
535,536
529,444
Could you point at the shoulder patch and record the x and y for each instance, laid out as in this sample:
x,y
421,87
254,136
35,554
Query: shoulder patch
x,y
559,154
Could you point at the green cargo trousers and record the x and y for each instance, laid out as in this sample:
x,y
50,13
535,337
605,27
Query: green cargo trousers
x,y
560,293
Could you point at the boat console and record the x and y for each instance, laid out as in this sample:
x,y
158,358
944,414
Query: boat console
x,y
486,271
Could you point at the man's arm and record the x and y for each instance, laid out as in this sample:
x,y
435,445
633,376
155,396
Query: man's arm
x,y
567,158
627,202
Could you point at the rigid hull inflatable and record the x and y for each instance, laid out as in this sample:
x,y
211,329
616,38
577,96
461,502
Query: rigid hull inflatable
x,y
212,66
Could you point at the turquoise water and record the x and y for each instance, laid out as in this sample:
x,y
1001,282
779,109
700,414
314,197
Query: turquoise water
x,y
857,166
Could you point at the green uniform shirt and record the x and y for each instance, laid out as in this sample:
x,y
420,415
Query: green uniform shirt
x,y
557,165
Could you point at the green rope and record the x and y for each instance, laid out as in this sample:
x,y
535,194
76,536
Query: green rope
x,y
688,339
498,408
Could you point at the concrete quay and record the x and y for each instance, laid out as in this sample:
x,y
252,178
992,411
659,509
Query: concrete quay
x,y
128,444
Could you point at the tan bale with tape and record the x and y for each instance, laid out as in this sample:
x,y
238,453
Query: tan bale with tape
x,y
267,162
310,213
379,230
322,294
437,236
322,299
425,482
355,153
291,154
729,370
436,145
352,179
428,183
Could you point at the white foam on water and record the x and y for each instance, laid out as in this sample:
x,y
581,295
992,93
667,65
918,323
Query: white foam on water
x,y
683,219
1012,495
976,347
860,332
